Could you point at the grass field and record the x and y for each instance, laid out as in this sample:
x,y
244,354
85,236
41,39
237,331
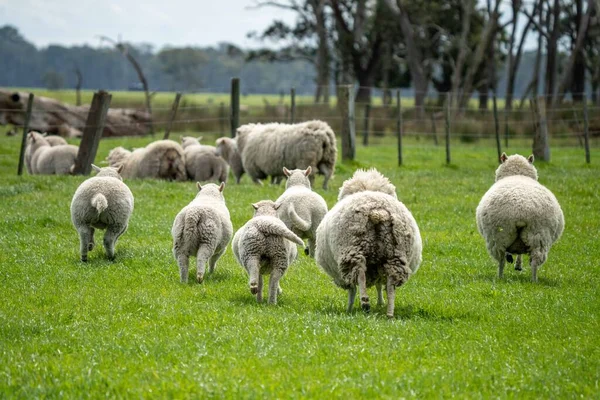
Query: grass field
x,y
129,329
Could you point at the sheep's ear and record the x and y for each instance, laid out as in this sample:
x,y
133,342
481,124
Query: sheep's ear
x,y
530,159
95,168
503,157
277,205
308,171
255,206
199,186
286,171
199,138
31,136
120,168
182,139
45,134
222,186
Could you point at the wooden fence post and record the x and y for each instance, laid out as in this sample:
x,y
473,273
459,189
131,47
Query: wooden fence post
x,y
399,125
92,132
292,105
366,124
222,118
447,115
234,116
174,108
541,147
586,129
346,104
497,127
25,131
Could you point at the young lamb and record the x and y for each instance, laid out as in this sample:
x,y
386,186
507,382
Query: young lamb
x,y
163,159
301,209
101,202
264,246
227,148
202,162
369,238
518,215
266,149
52,140
48,160
203,229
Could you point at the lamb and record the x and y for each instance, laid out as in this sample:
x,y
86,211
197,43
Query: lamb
x,y
163,159
369,238
203,229
202,163
301,209
518,215
227,148
48,160
266,149
52,141
101,202
264,246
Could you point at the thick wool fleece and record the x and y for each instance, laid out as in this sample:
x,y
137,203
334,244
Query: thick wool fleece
x,y
163,159
227,148
101,202
202,162
50,160
263,246
52,141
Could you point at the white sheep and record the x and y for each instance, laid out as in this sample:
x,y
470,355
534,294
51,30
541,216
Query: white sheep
x,y
263,246
49,160
301,209
202,162
369,238
227,148
52,140
518,215
266,149
203,229
163,159
101,202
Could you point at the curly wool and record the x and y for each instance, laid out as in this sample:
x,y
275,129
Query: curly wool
x,y
369,180
227,148
52,141
163,159
50,160
202,163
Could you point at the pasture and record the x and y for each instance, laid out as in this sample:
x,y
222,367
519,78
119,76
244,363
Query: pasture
x,y
128,328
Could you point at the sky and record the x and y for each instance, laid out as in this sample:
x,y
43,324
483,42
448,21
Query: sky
x,y
158,22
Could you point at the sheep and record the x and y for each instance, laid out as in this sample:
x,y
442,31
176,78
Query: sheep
x,y
52,141
48,160
301,209
163,159
266,149
202,163
518,215
369,238
264,246
203,229
101,202
227,148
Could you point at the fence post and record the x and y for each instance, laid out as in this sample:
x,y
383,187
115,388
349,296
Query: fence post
x,y
235,105
399,125
586,129
25,129
174,108
222,118
346,104
541,147
447,117
92,132
366,124
292,105
497,127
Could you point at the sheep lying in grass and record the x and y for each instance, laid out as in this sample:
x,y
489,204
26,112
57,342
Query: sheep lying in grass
x,y
518,215
163,159
369,238
266,149
264,246
301,209
202,229
202,162
49,160
52,141
101,202
227,148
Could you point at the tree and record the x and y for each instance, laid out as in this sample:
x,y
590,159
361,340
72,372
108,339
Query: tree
x,y
182,65
53,80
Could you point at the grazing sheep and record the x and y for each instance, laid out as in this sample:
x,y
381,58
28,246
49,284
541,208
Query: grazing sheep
x,y
101,202
518,215
227,148
369,238
301,209
202,162
52,141
266,149
49,160
202,229
163,159
264,246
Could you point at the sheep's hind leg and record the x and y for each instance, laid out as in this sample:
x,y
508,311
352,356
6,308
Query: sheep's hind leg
x,y
536,259
276,275
259,293
519,263
379,287
91,243
84,240
202,256
110,239
362,289
212,263
254,273
351,297
501,267
183,262
391,296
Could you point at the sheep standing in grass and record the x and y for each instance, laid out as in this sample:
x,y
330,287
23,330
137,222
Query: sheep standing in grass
x,y
369,238
52,141
301,209
203,229
227,148
202,162
264,246
101,202
518,215
50,160
163,159
266,149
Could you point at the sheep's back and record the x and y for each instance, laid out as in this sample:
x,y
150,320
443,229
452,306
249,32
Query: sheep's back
x,y
118,196
55,160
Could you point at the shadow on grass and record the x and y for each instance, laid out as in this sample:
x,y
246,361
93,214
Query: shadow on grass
x,y
512,277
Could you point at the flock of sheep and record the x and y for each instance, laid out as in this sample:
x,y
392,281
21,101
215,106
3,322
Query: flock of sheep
x,y
369,238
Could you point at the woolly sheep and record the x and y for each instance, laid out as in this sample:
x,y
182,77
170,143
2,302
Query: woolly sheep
x,y
48,160
202,229
202,163
52,141
227,148
101,202
266,149
264,246
518,215
163,159
301,209
369,238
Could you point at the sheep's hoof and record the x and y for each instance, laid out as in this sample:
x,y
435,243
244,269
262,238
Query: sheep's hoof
x,y
518,268
91,246
306,251
366,307
200,278
254,288
390,316
509,258
84,258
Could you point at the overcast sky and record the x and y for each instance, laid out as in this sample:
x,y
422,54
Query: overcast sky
x,y
158,22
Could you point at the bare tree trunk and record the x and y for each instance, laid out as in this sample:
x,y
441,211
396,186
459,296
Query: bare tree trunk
x,y
532,87
552,50
578,76
386,67
463,48
78,82
323,57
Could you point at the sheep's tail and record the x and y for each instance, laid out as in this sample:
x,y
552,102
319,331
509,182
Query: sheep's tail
x,y
99,202
283,231
379,215
298,222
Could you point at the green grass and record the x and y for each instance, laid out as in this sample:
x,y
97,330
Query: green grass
x,y
129,329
